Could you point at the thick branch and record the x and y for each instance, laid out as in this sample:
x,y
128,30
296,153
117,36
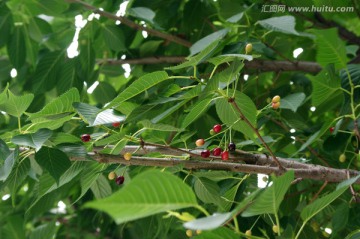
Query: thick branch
x,y
260,65
239,162
132,24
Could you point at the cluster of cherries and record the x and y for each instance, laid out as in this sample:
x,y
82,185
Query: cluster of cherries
x,y
118,179
216,151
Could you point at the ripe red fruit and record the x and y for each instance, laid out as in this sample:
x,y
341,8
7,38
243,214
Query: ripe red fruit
x,y
205,153
217,128
331,130
200,142
216,151
116,124
85,137
120,180
225,155
231,146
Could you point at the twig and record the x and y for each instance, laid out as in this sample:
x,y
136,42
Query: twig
x,y
318,192
133,25
242,116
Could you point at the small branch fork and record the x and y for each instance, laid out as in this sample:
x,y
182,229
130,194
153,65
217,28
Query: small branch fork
x,y
239,161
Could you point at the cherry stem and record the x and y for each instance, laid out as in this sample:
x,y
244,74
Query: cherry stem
x,y
243,117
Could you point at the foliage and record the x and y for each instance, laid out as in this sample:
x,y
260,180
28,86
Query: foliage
x,y
67,119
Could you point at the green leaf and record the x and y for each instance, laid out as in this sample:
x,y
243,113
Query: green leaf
x,y
293,101
207,191
49,123
340,218
284,24
319,204
143,13
270,200
16,47
90,175
206,41
47,71
147,194
104,93
197,110
50,8
147,124
325,85
53,160
101,187
231,117
354,235
114,37
35,140
220,233
209,223
44,231
218,60
140,85
9,163
14,227
15,105
94,116
195,60
330,48
59,106
4,151
6,24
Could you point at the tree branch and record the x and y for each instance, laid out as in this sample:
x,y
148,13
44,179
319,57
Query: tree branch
x,y
239,162
260,65
133,25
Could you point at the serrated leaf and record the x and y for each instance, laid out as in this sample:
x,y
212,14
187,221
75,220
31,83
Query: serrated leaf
x,y
35,140
218,60
44,231
95,116
101,187
207,191
206,41
147,194
325,85
293,101
319,204
9,163
114,37
330,48
16,47
4,151
196,111
284,24
59,106
142,12
147,124
48,123
195,60
15,105
209,223
53,160
270,200
231,117
140,85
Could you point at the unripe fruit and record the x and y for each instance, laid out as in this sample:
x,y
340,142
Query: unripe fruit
x,y
205,153
248,48
200,142
116,124
216,151
212,132
198,231
217,128
275,99
225,155
120,180
189,233
275,229
248,233
231,146
342,158
112,175
85,137
275,105
127,156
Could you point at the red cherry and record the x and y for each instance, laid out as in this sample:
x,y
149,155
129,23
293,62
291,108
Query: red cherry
x,y
331,130
217,128
225,155
85,137
216,151
205,153
120,180
116,124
